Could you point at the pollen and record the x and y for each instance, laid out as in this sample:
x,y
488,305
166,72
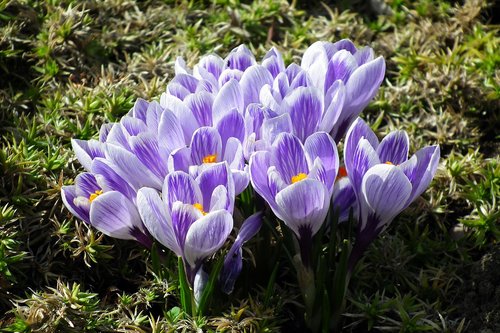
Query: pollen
x,y
95,195
210,158
389,162
200,208
298,177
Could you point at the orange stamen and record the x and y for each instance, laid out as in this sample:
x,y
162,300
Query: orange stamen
x,y
210,158
342,173
200,208
298,177
95,195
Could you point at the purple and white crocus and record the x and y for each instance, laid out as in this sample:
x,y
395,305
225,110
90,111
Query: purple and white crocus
x,y
297,182
193,217
358,69
384,180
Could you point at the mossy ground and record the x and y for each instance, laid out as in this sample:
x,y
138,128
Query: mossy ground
x,y
66,67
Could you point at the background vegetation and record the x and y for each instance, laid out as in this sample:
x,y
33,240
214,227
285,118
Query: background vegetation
x,y
66,67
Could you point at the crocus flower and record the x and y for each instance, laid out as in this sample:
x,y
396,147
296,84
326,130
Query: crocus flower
x,y
297,181
344,198
360,73
105,201
384,180
193,217
233,263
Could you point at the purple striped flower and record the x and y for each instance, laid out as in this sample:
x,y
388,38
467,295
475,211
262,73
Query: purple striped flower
x,y
297,182
106,201
193,217
233,262
384,180
360,72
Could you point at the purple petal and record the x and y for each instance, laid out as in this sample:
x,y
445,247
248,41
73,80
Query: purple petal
x,y
394,148
231,125
364,55
259,163
179,160
289,157
334,103
273,62
321,145
272,127
229,97
344,199
68,194
185,80
156,218
357,164
340,67
233,154
132,126
240,58
117,136
170,133
364,83
180,66
269,98
104,131
145,147
115,215
179,186
212,64
315,62
109,180
345,44
206,236
275,182
420,169
86,151
305,108
228,75
281,84
217,174
206,144
220,199
385,190
130,168
183,216
253,79
241,180
184,115
86,184
200,105
153,116
177,90
233,262
140,108
303,205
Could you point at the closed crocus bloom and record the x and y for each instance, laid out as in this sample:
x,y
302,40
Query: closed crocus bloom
x,y
193,217
297,182
359,71
384,180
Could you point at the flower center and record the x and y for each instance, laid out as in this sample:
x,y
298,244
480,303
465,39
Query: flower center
x,y
210,158
298,177
95,195
342,173
389,162
200,208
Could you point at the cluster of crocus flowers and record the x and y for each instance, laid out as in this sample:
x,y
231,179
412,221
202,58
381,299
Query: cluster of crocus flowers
x,y
170,170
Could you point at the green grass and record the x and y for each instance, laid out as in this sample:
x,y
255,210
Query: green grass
x,y
66,67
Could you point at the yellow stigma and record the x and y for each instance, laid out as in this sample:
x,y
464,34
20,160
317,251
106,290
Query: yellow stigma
x,y
210,158
95,195
298,177
389,162
200,208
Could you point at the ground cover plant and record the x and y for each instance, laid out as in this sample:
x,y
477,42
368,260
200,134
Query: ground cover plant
x,y
67,68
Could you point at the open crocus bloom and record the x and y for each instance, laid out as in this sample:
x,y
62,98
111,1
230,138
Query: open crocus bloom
x,y
297,180
104,201
384,180
193,217
360,73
